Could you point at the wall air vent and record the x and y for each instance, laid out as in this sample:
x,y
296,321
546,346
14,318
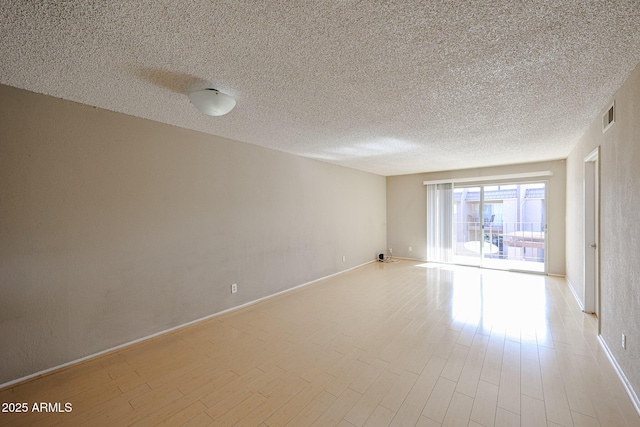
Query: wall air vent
x,y
609,117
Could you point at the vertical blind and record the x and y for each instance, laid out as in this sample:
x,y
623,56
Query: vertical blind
x,y
440,222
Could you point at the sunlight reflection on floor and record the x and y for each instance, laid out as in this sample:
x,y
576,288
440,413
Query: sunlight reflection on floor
x,y
497,300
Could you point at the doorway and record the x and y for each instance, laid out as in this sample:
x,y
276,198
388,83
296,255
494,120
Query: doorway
x,y
591,241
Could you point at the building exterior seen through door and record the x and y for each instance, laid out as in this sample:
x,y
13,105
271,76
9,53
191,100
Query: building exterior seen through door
x,y
500,226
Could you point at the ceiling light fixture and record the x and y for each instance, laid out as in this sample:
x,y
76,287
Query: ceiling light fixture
x,y
212,102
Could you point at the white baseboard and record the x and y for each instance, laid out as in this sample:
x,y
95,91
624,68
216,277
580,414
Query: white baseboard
x,y
625,382
183,325
575,295
408,259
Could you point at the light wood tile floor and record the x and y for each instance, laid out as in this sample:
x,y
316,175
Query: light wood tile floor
x,y
394,344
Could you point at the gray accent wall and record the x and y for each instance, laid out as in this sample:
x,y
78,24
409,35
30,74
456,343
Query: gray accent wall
x,y
407,204
619,224
113,227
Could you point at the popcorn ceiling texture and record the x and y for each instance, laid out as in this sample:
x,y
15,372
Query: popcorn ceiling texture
x,y
392,87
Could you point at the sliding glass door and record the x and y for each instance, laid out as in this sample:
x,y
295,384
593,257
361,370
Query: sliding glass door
x,y
500,226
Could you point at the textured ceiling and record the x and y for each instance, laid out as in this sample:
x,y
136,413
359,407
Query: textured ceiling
x,y
389,87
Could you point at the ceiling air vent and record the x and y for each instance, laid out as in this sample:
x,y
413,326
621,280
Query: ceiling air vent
x,y
609,117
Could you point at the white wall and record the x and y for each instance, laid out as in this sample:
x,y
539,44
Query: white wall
x,y
406,208
114,227
619,224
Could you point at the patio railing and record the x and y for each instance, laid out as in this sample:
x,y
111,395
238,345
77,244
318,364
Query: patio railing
x,y
523,241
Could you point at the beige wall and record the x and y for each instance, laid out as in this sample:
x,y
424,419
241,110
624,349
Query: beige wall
x,y
113,227
619,222
406,208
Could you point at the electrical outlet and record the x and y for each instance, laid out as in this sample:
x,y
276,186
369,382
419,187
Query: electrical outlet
x,y
624,341
234,288
390,250
410,249
344,258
